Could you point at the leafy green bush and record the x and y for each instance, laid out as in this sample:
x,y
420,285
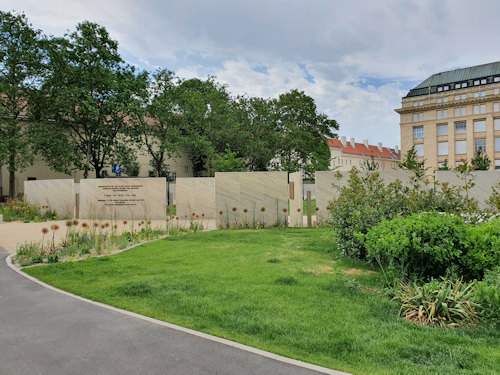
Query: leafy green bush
x,y
366,201
484,249
419,246
488,295
445,303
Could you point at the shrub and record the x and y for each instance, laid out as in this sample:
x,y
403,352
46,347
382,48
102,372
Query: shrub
x,y
419,246
488,295
484,249
366,201
445,303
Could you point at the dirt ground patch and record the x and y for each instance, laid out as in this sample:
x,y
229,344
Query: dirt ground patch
x,y
357,271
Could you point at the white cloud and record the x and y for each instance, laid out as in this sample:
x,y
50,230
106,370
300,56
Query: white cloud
x,y
340,43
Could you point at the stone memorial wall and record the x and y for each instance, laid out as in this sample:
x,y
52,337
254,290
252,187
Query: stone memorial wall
x,y
196,194
123,198
263,194
59,195
295,185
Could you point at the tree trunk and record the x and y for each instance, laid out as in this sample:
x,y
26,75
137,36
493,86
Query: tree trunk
x,y
12,175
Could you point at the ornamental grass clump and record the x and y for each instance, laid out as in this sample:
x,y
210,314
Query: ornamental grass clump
x,y
445,303
488,295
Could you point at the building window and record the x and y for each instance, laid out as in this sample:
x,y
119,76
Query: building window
x,y
442,148
440,100
457,85
496,79
439,114
483,93
460,111
479,109
186,168
457,97
418,132
464,84
460,147
419,148
461,128
445,99
497,144
440,89
497,164
442,129
483,81
415,104
446,88
480,144
476,82
459,163
496,91
496,107
496,123
479,126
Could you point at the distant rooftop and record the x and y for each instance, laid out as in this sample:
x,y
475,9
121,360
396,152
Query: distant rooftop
x,y
466,77
364,149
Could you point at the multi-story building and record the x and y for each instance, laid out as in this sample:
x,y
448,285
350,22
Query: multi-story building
x,y
451,115
347,154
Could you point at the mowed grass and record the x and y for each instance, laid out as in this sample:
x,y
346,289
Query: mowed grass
x,y
285,291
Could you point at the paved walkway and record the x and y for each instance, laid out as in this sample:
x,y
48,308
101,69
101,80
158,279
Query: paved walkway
x,y
45,332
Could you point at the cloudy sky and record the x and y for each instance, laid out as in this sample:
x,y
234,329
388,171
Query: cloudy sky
x,y
355,58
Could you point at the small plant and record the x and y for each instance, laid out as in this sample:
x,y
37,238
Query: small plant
x,y
286,281
488,295
445,303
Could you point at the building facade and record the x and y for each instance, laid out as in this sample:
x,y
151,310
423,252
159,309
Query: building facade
x,y
347,154
451,115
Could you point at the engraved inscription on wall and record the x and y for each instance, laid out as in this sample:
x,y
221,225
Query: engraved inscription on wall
x,y
121,195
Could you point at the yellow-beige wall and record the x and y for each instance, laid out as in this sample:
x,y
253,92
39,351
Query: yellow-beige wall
x,y
344,162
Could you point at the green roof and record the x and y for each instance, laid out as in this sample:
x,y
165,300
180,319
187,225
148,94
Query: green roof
x,y
457,75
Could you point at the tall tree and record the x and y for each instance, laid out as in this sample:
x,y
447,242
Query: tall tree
x,y
92,94
157,121
205,116
21,70
303,131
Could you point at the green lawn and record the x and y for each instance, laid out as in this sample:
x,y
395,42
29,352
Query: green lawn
x,y
285,291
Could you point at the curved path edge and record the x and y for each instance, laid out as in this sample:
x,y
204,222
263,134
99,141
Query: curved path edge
x,y
276,357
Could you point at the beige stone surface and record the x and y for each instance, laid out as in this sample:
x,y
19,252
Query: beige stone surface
x,y
59,195
296,218
326,192
13,234
484,181
196,194
123,198
252,191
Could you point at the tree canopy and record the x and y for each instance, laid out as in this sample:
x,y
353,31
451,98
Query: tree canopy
x,y
87,109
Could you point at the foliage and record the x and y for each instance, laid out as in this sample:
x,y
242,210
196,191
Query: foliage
x,y
370,165
411,163
445,166
494,199
480,161
156,121
484,249
302,143
228,162
445,303
464,173
19,210
365,201
422,245
91,93
21,69
488,295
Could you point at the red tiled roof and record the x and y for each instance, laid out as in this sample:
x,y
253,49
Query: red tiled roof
x,y
360,149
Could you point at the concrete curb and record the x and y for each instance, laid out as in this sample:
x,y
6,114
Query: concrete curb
x,y
324,370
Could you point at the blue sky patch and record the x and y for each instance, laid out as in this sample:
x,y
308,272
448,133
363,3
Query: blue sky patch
x,y
308,77
260,69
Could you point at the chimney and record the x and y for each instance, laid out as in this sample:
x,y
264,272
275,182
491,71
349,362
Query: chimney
x,y
379,145
353,144
343,141
396,148
365,142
